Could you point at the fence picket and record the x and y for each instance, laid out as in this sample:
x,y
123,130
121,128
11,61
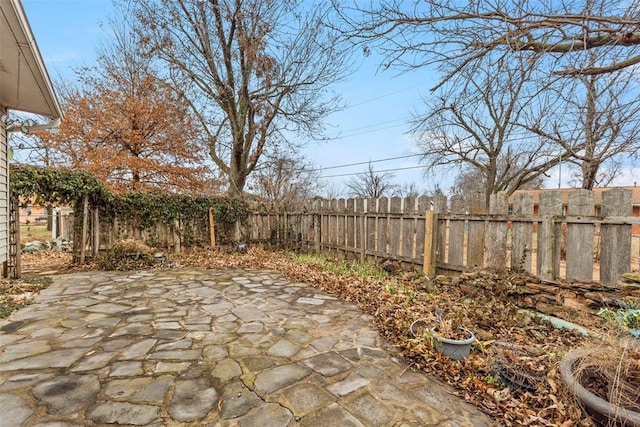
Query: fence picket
x,y
522,233
615,246
579,252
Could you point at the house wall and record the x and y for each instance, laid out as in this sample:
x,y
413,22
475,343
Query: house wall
x,y
4,192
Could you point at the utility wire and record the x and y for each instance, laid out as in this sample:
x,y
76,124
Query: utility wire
x,y
365,163
384,170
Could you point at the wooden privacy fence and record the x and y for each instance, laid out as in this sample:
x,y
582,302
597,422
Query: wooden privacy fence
x,y
549,238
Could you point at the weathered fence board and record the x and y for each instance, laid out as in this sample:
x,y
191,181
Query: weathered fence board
x,y
522,233
462,236
579,252
497,233
475,242
549,243
615,250
457,232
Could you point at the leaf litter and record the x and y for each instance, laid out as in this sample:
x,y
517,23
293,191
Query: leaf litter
x,y
511,374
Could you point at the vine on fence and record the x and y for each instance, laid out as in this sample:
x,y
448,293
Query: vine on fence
x,y
55,187
65,187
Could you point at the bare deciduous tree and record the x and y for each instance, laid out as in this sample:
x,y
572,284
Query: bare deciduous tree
x,y
284,179
598,122
257,70
474,123
431,31
371,184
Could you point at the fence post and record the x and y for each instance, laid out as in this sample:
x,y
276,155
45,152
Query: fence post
x,y
522,233
428,266
96,230
176,236
497,233
212,230
548,262
615,246
580,237
85,228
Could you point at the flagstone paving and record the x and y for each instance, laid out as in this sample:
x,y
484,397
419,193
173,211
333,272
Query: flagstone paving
x,y
207,348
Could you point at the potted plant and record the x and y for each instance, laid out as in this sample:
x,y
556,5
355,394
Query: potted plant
x,y
606,381
449,338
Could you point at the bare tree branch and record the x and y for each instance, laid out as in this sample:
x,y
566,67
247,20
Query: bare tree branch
x,y
258,71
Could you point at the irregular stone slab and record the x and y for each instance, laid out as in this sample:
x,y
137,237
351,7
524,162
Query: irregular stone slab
x,y
310,301
332,415
126,369
303,398
328,364
15,410
123,388
324,344
257,363
279,377
25,349
215,352
163,367
249,313
95,361
284,348
298,336
155,392
69,394
276,415
368,408
124,413
168,325
138,350
52,359
22,380
176,355
107,308
177,345
57,424
226,369
348,385
252,327
237,400
134,330
192,400
218,309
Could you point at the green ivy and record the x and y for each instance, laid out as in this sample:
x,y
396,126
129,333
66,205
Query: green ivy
x,y
55,187
66,187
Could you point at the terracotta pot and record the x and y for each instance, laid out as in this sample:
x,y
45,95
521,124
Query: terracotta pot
x,y
604,413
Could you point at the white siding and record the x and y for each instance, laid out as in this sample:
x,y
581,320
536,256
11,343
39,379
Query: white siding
x,y
4,193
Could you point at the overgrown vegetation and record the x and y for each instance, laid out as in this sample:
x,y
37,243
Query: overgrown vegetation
x,y
16,294
127,255
63,187
342,266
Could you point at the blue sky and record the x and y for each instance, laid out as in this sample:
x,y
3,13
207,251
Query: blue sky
x,y
373,126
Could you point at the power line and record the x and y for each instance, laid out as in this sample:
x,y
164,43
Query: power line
x,y
386,95
384,170
365,163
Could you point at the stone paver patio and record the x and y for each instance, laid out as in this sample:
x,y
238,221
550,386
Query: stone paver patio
x,y
218,348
